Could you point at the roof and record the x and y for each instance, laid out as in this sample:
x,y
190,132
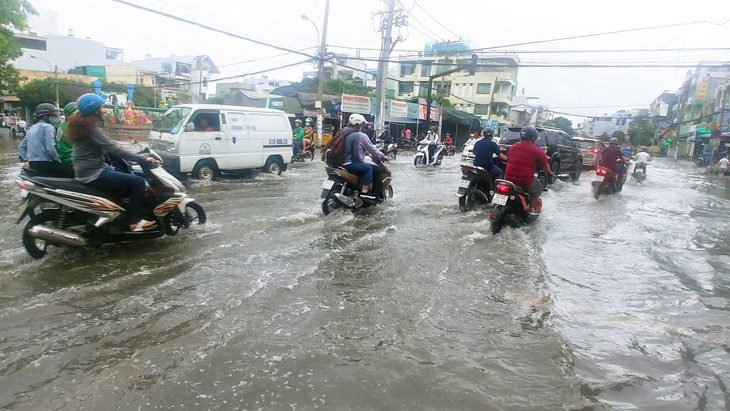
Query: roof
x,y
226,107
461,117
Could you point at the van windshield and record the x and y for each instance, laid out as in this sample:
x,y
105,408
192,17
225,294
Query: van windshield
x,y
172,120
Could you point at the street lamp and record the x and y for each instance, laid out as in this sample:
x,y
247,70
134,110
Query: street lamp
x,y
55,71
320,86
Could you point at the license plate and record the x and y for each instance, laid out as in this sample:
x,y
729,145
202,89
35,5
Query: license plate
x,y
24,193
327,184
464,183
499,199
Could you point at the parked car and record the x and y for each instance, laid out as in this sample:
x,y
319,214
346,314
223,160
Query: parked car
x,y
468,154
565,157
591,149
205,139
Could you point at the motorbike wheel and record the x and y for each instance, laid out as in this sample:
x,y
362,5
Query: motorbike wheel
x,y
467,202
330,203
35,247
439,159
388,194
496,227
308,156
418,161
393,155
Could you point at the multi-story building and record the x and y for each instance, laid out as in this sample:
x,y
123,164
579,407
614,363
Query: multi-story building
x,y
488,93
190,73
344,67
619,121
697,97
46,53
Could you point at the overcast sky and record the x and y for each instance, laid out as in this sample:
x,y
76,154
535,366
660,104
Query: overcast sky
x,y
479,23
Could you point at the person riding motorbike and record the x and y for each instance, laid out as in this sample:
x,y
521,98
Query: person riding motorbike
x,y
523,159
63,146
367,148
90,145
385,135
38,148
484,151
369,130
432,139
297,136
354,159
613,159
308,133
641,158
448,141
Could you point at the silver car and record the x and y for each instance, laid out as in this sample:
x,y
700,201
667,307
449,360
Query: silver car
x,y
591,149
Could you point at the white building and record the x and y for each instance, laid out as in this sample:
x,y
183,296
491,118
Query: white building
x,y
344,67
619,121
191,73
66,52
488,93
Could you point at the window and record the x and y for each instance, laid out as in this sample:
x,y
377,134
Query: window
x,y
33,44
484,88
425,70
206,120
405,88
407,69
481,109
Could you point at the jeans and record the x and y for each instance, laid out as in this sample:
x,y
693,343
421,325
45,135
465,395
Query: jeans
x,y
297,146
124,185
496,172
431,151
363,170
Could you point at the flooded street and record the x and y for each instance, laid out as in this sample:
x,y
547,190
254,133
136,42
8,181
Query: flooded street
x,y
620,303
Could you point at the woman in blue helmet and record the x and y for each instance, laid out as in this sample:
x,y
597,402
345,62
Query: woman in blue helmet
x,y
90,144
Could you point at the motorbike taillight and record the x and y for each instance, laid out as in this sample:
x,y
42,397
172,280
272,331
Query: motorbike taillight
x,y
503,188
466,170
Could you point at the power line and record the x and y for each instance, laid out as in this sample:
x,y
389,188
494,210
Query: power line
x,y
434,19
262,58
201,25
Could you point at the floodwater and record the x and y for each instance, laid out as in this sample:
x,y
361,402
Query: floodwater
x,y
620,303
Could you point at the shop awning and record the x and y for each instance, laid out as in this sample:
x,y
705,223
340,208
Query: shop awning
x,y
402,120
292,105
461,118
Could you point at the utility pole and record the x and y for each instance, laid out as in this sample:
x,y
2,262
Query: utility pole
x,y
320,86
392,17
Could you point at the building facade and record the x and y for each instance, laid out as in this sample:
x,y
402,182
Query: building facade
x,y
608,124
487,94
190,73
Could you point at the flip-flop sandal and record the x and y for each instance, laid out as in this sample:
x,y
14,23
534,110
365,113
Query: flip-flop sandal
x,y
144,225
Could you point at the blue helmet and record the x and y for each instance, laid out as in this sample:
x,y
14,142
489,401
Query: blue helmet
x,y
88,103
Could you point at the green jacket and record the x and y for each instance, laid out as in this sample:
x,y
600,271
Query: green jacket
x,y
64,147
298,134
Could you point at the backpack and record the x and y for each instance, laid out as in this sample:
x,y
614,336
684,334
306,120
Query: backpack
x,y
333,152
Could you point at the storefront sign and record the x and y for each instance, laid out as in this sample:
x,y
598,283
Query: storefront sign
x,y
398,108
356,104
414,111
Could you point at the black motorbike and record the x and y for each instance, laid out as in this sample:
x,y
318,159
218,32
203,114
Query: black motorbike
x,y
305,155
406,142
390,149
450,150
342,189
511,204
611,182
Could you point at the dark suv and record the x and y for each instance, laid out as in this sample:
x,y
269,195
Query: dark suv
x,y
564,155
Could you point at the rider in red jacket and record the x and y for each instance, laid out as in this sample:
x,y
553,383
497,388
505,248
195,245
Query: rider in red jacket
x,y
522,160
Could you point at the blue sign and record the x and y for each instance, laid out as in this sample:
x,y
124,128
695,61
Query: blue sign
x,y
484,123
495,124
337,107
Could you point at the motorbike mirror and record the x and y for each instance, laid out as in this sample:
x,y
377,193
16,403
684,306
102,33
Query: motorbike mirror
x,y
190,127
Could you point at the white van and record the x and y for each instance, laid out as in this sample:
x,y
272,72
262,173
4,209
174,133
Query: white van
x,y
205,139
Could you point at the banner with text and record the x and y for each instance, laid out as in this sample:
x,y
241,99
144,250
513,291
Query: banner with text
x,y
397,109
357,104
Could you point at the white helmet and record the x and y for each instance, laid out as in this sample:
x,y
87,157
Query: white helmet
x,y
357,119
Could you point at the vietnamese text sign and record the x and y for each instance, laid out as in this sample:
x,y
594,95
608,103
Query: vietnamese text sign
x,y
398,108
356,104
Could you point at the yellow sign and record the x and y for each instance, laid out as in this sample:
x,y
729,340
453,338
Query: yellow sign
x,y
703,90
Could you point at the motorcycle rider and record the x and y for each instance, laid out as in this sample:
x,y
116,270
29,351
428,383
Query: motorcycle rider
x,y
448,141
484,151
432,139
613,159
369,130
90,145
354,159
386,136
641,158
63,146
308,133
38,148
523,159
297,136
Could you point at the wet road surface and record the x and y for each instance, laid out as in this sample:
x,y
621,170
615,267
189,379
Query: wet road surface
x,y
620,303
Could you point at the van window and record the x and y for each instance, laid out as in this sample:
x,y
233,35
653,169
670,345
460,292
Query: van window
x,y
206,120
172,120
267,122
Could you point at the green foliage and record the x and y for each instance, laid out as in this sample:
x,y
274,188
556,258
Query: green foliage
x,y
446,103
13,17
334,87
44,91
620,135
641,133
561,123
604,137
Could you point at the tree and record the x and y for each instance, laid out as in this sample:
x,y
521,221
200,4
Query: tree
x,y
561,123
604,137
620,135
334,87
641,133
44,91
13,17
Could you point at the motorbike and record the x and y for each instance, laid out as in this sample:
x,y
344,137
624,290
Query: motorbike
x,y
423,158
639,174
450,150
406,142
476,185
66,213
19,129
341,189
511,203
609,184
391,150
307,154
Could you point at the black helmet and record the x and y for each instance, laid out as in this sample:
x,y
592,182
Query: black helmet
x,y
528,134
613,141
45,109
489,132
